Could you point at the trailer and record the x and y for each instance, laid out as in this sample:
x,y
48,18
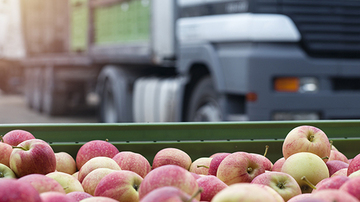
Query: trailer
x,y
193,60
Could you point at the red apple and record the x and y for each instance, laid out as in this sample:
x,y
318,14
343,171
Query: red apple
x,y
55,197
15,137
99,199
331,195
97,162
278,164
306,139
168,193
331,183
354,165
352,186
211,185
79,195
133,161
200,166
266,163
335,165
215,162
121,185
93,149
341,172
42,183
32,156
93,178
169,175
12,190
337,155
172,156
5,153
282,183
307,197
239,167
65,163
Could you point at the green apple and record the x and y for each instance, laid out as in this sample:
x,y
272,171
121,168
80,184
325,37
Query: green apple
x,y
6,172
67,181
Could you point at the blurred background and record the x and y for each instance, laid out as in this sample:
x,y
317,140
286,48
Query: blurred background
x,y
73,61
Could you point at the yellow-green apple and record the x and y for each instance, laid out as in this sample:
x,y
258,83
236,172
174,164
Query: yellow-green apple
x,y
65,163
132,161
335,165
239,167
354,165
79,195
341,172
5,153
76,175
99,199
6,172
171,156
42,183
245,192
15,137
305,164
12,190
168,193
352,186
278,164
331,195
282,183
200,166
306,139
93,178
337,155
331,183
121,185
211,185
67,181
93,149
53,196
97,162
169,175
215,162
32,156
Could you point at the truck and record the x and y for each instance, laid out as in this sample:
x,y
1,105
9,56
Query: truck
x,y
193,60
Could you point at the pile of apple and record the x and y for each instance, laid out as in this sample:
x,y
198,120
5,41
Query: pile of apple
x,y
311,169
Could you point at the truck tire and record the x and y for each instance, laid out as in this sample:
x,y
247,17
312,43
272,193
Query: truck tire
x,y
204,104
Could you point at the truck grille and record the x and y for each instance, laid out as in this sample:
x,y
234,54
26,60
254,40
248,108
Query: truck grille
x,y
329,28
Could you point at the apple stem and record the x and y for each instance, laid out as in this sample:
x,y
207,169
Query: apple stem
x,y
106,140
1,138
266,150
308,182
249,169
195,194
325,157
16,147
311,138
2,175
331,143
203,166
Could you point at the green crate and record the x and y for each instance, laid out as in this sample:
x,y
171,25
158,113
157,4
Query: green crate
x,y
196,139
124,22
79,23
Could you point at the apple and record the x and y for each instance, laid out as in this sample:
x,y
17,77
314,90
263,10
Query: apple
x,y
341,172
42,183
172,156
99,199
93,178
215,162
53,196
352,186
335,165
331,195
355,174
65,163
93,149
245,192
97,162
6,172
121,185
79,195
331,183
211,185
239,167
337,155
278,164
307,197
169,175
32,156
11,190
132,161
266,163
67,181
305,164
76,175
15,137
5,153
354,165
168,193
200,166
306,139
282,183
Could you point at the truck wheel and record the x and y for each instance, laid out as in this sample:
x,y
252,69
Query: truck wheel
x,y
108,108
204,104
37,89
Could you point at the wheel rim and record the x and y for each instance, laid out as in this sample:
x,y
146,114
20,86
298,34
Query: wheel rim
x,y
210,112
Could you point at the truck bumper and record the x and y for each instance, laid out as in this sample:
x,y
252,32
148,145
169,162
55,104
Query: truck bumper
x,y
338,96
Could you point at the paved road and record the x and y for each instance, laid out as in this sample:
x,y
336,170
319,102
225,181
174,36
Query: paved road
x,y
13,110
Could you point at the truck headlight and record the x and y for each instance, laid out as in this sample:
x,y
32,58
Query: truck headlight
x,y
296,84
